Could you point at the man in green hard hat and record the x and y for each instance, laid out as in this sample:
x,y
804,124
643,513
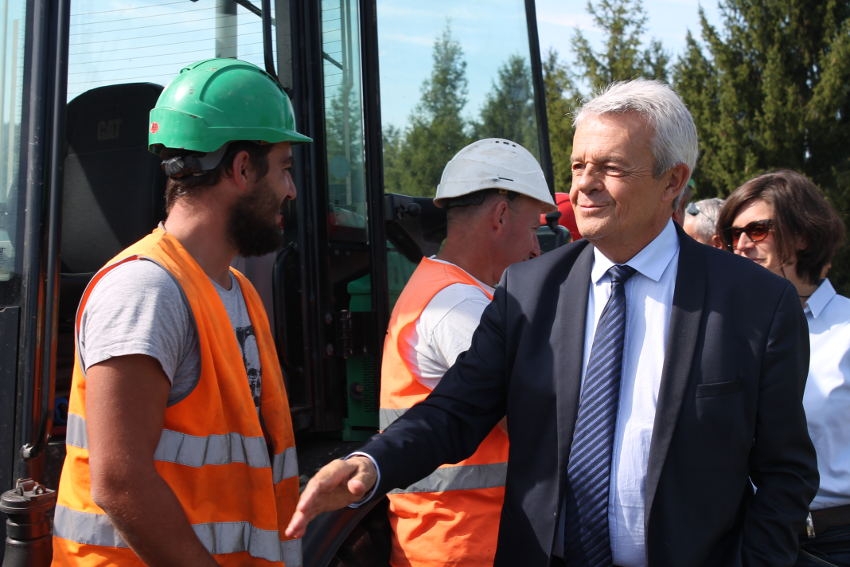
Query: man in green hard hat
x,y
180,448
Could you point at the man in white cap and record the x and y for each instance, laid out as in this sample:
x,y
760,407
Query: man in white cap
x,y
493,191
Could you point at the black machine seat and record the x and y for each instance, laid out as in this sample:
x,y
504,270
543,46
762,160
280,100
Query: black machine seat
x,y
113,186
112,196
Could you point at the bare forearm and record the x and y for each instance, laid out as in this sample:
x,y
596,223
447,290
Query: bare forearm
x,y
126,397
150,519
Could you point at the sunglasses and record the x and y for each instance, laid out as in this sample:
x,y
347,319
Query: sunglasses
x,y
755,231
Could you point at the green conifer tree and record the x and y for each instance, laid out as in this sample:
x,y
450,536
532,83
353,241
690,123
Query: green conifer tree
x,y
771,89
508,110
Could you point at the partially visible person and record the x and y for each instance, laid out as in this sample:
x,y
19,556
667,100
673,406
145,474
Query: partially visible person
x,y
180,448
782,221
653,401
493,191
568,215
701,220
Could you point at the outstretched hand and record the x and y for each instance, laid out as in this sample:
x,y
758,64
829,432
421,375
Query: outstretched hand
x,y
337,484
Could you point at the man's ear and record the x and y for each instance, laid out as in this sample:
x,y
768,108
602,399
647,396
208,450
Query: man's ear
x,y
498,213
677,178
717,242
241,169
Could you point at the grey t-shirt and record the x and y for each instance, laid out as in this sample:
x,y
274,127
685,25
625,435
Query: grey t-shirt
x,y
138,308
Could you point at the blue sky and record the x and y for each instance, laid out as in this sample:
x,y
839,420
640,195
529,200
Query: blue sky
x,y
667,21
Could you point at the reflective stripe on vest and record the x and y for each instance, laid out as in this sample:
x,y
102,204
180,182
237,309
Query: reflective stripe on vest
x,y
465,477
218,538
193,451
291,551
285,465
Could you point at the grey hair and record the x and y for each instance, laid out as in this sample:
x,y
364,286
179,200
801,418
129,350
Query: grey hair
x,y
675,140
705,213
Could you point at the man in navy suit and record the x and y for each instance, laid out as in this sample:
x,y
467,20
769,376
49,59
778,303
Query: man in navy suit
x,y
710,462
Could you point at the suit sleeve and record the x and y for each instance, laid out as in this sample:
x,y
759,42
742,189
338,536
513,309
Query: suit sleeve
x,y
783,465
451,422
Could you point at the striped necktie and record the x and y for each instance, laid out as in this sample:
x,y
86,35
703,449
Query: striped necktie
x,y
589,467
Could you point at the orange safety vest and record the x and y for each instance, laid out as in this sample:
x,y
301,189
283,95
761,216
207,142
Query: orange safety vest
x,y
450,517
237,481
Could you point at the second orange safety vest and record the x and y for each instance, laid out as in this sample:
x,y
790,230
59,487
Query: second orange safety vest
x,y
450,517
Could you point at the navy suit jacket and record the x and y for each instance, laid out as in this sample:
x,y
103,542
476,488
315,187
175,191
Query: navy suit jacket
x,y
729,412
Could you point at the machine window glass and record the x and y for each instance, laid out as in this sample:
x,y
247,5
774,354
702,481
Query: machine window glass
x,y
343,98
451,72
151,40
11,74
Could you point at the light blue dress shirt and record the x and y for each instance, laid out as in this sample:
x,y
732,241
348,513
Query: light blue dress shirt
x,y
649,301
827,395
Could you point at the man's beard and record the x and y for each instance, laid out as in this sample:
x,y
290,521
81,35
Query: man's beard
x,y
251,226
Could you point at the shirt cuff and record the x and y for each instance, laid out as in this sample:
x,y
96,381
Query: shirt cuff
x,y
371,493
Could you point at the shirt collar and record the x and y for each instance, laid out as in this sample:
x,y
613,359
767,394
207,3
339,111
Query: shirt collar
x,y
816,304
651,261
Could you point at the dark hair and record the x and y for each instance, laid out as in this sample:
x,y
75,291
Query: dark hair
x,y
806,226
476,198
177,187
463,205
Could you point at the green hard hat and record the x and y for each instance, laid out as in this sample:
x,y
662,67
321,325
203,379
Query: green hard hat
x,y
216,101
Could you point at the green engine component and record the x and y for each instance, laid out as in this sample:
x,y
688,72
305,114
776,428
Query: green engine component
x,y
362,370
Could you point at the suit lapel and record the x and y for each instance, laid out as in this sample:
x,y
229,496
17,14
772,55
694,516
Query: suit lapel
x,y
685,317
567,343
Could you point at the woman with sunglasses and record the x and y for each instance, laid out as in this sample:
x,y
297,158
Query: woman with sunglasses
x,y
783,221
